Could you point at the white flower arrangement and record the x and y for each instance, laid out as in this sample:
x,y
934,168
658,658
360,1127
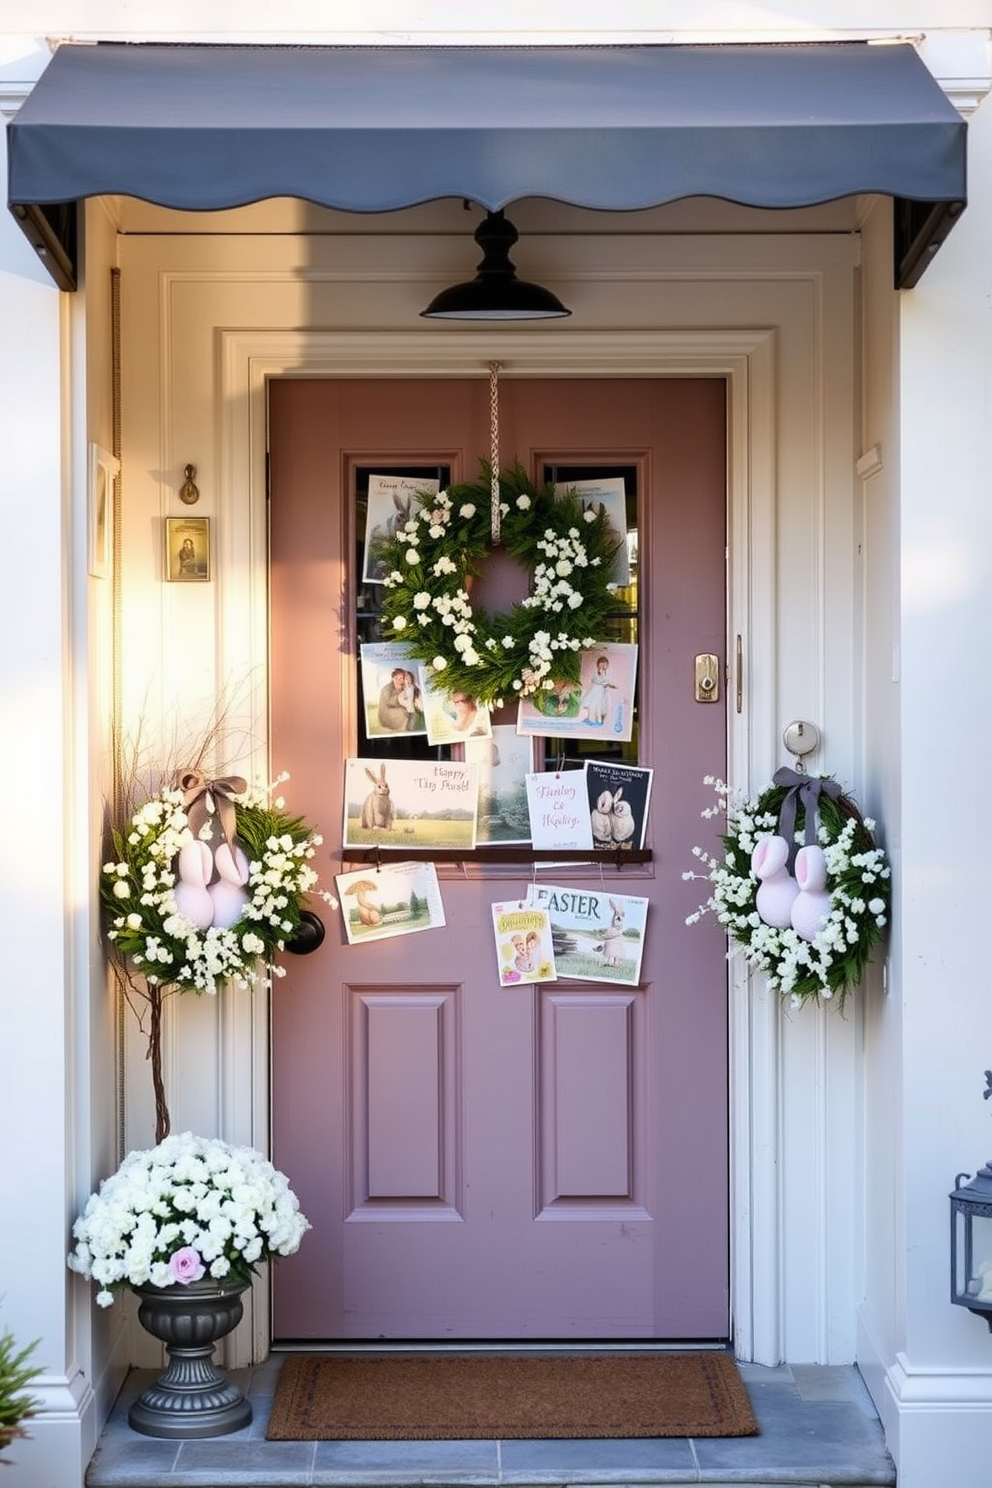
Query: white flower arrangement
x,y
190,1209
430,563
139,887
830,958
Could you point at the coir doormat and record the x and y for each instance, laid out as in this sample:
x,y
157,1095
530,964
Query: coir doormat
x,y
404,1397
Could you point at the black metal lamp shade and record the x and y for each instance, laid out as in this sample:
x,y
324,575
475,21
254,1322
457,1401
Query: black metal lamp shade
x,y
495,293
971,1243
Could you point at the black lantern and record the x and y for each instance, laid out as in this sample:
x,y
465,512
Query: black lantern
x,y
971,1243
495,293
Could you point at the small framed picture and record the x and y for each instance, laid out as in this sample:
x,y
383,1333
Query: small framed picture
x,y
187,549
103,469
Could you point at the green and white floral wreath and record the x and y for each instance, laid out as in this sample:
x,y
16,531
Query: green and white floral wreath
x,y
828,953
430,562
251,909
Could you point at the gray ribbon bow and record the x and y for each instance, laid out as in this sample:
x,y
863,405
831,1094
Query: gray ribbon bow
x,y
202,798
807,790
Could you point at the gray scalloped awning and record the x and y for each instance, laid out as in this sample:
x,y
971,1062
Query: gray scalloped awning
x,y
370,129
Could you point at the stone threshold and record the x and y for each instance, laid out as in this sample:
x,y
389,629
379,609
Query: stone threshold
x,y
818,1427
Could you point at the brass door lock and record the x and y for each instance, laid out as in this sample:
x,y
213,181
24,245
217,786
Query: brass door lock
x,y
707,678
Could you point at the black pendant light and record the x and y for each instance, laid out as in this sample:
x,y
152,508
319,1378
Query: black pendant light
x,y
495,293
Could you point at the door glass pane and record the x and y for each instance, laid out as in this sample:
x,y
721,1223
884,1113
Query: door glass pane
x,y
369,616
623,626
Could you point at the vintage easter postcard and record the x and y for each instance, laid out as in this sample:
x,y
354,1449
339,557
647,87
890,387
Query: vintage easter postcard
x,y
390,900
402,803
524,951
597,936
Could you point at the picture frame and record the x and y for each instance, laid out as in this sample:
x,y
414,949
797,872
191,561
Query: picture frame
x,y
187,550
102,472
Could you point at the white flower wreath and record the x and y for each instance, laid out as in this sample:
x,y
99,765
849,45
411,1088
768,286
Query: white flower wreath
x,y
430,562
139,887
857,882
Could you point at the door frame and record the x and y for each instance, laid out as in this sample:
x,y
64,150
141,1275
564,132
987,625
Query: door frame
x,y
746,359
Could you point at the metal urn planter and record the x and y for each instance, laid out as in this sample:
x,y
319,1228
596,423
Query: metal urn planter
x,y
192,1398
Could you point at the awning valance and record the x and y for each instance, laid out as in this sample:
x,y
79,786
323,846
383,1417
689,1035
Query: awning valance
x,y
370,129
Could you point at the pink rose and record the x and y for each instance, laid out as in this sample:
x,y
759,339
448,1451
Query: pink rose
x,y
185,1265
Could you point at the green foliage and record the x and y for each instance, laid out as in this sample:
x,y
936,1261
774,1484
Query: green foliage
x,y
16,1372
569,552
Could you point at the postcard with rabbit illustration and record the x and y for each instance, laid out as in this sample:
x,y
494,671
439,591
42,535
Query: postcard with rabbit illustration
x,y
524,950
403,804
599,706
618,803
451,716
559,812
392,501
391,694
608,495
597,936
390,900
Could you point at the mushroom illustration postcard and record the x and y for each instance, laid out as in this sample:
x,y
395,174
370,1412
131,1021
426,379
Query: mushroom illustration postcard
x,y
392,899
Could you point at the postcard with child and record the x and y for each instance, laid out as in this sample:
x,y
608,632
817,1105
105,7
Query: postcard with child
x,y
451,716
599,706
524,951
389,900
404,804
391,692
596,936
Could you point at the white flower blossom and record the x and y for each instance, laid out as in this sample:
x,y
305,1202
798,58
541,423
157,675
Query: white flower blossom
x,y
229,1204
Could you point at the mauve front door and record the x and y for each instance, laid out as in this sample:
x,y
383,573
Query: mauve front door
x,y
532,1162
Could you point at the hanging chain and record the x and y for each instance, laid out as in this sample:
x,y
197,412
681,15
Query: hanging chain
x,y
494,521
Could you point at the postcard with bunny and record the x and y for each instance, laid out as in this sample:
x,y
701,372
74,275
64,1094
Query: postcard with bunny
x,y
392,500
524,949
618,798
597,936
404,804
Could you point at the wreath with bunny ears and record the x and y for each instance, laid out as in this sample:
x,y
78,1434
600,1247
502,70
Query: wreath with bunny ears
x,y
802,888
207,881
429,563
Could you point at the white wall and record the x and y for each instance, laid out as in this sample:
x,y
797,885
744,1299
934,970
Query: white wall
x,y
943,1353
44,979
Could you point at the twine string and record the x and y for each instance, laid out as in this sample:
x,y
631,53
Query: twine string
x,y
494,517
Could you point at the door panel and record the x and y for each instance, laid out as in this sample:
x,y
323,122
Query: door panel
x,y
532,1162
